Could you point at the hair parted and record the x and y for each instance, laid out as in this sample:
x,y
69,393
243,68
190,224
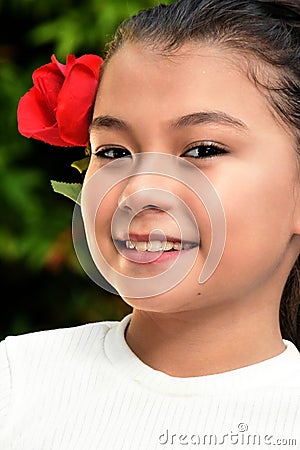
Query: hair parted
x,y
267,33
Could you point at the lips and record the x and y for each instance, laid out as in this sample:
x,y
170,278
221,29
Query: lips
x,y
147,257
142,248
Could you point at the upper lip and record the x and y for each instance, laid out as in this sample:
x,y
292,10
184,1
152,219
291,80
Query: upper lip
x,y
145,237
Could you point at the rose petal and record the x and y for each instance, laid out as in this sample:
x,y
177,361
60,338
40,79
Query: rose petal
x,y
63,68
36,121
51,136
48,80
75,102
33,112
94,62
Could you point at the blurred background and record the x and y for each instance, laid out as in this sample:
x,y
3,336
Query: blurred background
x,y
42,283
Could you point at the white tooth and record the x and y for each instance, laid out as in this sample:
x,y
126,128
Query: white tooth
x,y
168,245
177,246
130,244
155,246
141,246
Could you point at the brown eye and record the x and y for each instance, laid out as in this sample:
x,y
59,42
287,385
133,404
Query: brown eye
x,y
112,153
205,150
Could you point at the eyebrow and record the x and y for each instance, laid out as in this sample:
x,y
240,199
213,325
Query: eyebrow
x,y
210,117
203,117
109,122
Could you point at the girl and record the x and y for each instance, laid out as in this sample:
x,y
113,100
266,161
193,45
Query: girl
x,y
195,126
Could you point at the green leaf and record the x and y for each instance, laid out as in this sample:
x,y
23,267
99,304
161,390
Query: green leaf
x,y
81,164
70,190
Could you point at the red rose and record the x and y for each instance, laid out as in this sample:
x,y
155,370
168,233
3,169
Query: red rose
x,y
58,108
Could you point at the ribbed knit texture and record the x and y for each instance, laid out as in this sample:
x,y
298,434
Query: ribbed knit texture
x,y
82,388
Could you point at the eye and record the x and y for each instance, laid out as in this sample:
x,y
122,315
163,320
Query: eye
x,y
205,150
202,150
112,152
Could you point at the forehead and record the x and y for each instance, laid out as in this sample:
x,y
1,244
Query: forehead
x,y
137,66
139,83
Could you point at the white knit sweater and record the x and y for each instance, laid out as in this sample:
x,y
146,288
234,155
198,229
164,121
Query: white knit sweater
x,y
82,388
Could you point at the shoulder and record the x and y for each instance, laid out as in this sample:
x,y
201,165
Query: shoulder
x,y
58,342
53,351
34,364
50,356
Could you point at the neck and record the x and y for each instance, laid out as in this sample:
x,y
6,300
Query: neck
x,y
197,343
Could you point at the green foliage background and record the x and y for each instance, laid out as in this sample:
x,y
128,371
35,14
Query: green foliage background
x,y
42,283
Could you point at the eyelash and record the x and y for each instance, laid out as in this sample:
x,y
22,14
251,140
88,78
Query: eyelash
x,y
215,150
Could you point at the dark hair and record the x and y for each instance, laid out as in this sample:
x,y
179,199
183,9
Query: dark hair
x,y
268,31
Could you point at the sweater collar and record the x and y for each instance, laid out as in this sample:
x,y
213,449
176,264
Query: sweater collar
x,y
281,370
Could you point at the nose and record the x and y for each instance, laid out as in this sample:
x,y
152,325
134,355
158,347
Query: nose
x,y
147,192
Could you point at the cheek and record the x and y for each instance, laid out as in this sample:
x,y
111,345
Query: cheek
x,y
258,207
103,220
202,212
97,209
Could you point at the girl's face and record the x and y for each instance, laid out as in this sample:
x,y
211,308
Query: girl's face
x,y
197,107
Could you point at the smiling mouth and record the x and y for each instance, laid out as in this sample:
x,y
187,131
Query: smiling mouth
x,y
156,245
140,249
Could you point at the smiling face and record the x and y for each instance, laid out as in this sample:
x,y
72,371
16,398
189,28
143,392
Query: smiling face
x,y
201,110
